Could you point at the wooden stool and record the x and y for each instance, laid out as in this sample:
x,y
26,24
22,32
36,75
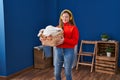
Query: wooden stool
x,y
82,53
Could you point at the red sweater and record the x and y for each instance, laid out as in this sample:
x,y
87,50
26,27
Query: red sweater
x,y
71,36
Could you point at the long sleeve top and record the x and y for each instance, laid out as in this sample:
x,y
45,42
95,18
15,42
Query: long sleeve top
x,y
71,36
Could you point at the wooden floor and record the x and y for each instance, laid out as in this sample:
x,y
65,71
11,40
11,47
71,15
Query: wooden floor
x,y
83,73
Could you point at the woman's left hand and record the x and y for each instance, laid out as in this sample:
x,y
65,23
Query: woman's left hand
x,y
60,41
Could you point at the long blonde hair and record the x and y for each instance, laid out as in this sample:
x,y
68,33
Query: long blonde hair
x,y
72,22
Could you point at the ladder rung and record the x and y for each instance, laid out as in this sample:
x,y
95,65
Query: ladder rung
x,y
88,42
86,54
83,63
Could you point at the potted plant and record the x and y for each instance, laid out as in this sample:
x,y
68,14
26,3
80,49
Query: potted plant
x,y
104,37
109,50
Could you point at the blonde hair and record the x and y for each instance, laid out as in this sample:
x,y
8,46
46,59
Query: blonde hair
x,y
72,22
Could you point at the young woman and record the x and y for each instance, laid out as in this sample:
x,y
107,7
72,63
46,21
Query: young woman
x,y
65,51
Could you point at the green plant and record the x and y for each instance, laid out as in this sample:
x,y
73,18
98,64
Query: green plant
x,y
104,36
109,49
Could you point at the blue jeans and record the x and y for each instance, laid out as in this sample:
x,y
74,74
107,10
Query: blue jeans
x,y
63,56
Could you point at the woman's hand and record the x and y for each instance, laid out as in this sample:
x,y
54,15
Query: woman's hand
x,y
41,39
60,41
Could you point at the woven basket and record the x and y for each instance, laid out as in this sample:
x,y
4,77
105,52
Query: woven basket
x,y
51,40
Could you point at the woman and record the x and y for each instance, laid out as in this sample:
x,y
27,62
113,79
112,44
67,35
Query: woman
x,y
65,51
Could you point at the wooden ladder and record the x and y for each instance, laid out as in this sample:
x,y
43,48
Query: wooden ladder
x,y
83,53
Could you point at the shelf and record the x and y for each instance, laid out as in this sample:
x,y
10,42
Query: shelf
x,y
103,63
106,58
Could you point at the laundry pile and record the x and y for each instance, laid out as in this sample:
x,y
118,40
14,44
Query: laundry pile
x,y
50,35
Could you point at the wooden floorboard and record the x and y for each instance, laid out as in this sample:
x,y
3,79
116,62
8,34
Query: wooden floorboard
x,y
83,73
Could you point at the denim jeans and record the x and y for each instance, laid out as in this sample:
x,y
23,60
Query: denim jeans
x,y
63,56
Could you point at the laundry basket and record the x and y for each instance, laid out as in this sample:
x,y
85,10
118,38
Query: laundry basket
x,y
51,40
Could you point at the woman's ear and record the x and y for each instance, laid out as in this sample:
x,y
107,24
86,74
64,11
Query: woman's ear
x,y
71,18
60,17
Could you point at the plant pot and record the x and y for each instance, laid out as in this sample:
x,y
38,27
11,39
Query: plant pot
x,y
104,39
108,54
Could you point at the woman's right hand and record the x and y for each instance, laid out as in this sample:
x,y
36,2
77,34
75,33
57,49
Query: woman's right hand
x,y
41,39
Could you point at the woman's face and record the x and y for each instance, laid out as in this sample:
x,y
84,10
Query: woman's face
x,y
65,17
